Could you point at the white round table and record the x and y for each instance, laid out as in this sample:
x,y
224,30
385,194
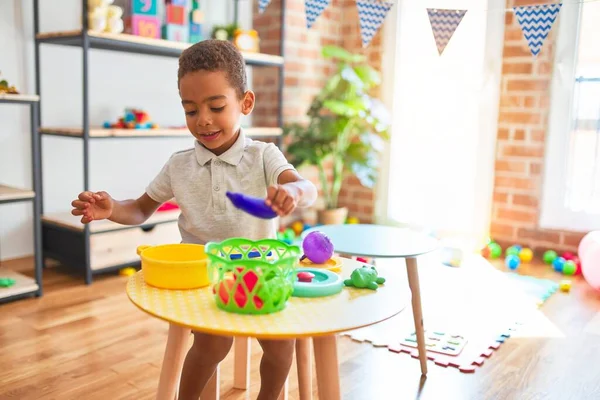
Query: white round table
x,y
380,241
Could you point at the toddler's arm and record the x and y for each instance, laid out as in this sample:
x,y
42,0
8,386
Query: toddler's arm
x,y
291,191
100,205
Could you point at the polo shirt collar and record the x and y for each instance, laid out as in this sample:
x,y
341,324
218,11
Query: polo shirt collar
x,y
232,156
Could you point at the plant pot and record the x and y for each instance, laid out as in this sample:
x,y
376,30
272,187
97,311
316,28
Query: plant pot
x,y
334,216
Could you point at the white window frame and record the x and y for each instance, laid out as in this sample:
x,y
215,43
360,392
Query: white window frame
x,y
553,213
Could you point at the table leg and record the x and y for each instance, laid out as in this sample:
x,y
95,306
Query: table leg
x,y
304,366
413,283
172,364
326,361
241,363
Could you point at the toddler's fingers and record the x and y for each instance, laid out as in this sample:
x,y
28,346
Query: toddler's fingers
x,y
80,204
86,220
101,195
77,212
86,196
288,205
280,197
271,193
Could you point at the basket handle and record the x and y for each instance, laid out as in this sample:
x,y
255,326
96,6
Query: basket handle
x,y
142,248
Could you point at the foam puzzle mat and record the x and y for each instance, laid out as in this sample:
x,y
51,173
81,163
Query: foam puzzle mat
x,y
481,305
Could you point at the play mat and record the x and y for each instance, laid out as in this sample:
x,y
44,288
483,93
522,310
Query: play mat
x,y
468,313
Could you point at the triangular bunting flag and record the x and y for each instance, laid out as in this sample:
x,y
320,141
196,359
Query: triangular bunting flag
x,y
536,22
314,9
262,4
371,14
443,25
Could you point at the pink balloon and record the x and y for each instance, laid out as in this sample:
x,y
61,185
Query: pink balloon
x,y
590,261
586,240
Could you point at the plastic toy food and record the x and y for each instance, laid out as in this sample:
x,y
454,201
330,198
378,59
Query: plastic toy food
x,y
365,277
317,247
315,282
255,206
6,282
5,88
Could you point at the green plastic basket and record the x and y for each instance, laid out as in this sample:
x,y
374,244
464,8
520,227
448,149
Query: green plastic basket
x,y
252,277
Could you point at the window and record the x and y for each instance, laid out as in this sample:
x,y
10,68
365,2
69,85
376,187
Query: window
x,y
571,194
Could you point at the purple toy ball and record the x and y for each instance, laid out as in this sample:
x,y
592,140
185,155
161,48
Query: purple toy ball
x,y
317,247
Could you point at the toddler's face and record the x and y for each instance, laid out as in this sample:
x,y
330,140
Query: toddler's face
x,y
213,108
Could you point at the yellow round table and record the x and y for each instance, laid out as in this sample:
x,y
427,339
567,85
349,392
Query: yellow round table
x,y
318,318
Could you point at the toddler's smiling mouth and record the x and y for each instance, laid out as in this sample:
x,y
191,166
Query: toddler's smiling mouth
x,y
209,135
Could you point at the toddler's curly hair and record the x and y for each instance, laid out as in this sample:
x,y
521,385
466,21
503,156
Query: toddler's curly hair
x,y
215,55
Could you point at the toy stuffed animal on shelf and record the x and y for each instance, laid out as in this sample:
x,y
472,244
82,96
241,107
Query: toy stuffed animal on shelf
x,y
105,17
133,118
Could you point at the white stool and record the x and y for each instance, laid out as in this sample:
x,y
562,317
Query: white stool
x,y
176,349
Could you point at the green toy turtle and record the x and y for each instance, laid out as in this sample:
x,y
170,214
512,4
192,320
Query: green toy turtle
x,y
365,277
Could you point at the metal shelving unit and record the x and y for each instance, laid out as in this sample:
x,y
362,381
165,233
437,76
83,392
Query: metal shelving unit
x,y
25,286
71,244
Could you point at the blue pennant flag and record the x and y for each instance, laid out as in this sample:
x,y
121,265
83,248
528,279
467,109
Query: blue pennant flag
x,y
443,25
314,9
262,4
536,22
371,14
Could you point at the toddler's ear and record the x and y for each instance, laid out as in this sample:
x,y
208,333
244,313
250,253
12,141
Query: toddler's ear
x,y
248,102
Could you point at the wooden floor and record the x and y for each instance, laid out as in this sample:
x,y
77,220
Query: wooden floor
x,y
90,342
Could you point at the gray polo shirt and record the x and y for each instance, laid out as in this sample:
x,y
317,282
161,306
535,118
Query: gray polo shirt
x,y
198,180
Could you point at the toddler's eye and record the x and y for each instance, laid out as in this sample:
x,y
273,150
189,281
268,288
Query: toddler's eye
x,y
217,109
190,113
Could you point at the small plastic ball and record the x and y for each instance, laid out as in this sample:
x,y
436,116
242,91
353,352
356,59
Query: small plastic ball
x,y
577,262
526,255
289,234
512,251
550,256
569,268
567,255
352,220
495,250
297,227
512,261
485,252
518,247
306,227
558,264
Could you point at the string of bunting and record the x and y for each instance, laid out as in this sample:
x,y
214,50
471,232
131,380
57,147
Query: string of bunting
x,y
535,20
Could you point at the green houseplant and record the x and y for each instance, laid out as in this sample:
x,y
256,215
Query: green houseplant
x,y
345,125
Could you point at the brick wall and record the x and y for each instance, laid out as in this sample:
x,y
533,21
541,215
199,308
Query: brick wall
x,y
522,129
306,72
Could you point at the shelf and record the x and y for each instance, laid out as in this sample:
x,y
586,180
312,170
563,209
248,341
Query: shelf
x,y
68,221
141,45
9,194
19,98
23,284
99,133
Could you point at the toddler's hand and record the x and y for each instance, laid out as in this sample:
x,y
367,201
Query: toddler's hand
x,y
283,199
92,206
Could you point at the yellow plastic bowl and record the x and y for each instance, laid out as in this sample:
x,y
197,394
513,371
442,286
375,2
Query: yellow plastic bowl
x,y
174,266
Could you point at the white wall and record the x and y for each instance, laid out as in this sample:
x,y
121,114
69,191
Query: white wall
x,y
122,167
441,158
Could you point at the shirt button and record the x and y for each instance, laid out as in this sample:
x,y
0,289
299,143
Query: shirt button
x,y
216,188
217,163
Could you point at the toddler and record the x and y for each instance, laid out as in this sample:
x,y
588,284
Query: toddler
x,y
214,95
